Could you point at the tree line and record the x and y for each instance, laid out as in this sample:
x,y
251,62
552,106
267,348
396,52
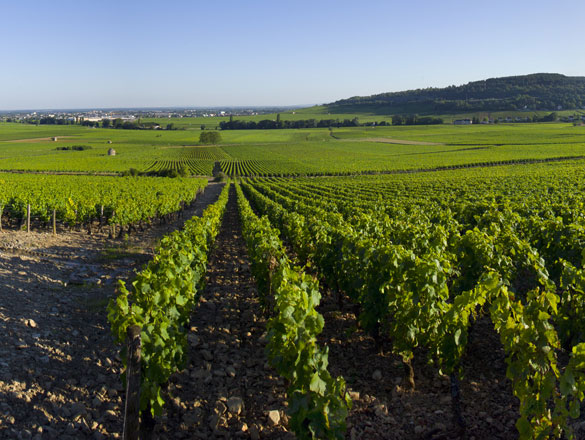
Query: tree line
x,y
117,123
268,124
415,120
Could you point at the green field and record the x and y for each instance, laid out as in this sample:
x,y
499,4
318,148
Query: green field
x,y
287,152
321,112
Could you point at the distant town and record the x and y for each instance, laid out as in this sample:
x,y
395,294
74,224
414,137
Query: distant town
x,y
76,116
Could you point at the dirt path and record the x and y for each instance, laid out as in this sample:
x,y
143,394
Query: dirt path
x,y
59,368
227,372
41,139
398,141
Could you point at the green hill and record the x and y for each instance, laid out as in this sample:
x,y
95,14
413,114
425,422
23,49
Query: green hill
x,y
539,91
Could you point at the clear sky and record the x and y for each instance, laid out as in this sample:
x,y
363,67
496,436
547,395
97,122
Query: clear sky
x,y
126,53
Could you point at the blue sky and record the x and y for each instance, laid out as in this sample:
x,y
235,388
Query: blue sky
x,y
125,53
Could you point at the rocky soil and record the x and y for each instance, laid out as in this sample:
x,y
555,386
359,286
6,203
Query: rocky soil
x,y
59,368
228,390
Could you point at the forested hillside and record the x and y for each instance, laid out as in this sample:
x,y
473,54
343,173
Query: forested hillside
x,y
540,91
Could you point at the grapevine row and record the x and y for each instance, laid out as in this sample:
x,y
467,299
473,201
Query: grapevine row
x,y
83,199
161,299
318,403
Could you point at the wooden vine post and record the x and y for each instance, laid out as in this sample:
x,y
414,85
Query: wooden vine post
x,y
28,218
54,222
132,407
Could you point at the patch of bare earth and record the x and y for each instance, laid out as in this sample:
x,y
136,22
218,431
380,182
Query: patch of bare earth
x,y
59,369
41,139
399,141
385,407
227,390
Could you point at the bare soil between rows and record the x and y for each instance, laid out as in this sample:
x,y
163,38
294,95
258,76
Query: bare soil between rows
x,y
59,368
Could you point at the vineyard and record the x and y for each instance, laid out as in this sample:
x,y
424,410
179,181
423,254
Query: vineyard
x,y
402,282
422,266
271,153
82,200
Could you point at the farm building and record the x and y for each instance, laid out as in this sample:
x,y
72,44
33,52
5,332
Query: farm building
x,y
462,122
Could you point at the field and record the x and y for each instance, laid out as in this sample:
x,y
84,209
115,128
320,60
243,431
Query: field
x,y
287,152
367,282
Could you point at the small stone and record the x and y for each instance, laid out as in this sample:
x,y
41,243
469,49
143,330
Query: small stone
x,y
439,426
213,421
377,375
206,355
254,433
235,405
77,408
354,395
273,417
418,429
111,415
220,407
381,410
230,371
190,418
193,339
31,323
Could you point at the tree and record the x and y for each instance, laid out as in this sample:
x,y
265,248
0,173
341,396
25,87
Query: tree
x,y
210,137
106,123
397,120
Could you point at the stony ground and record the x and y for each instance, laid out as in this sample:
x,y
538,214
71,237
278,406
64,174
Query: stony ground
x,y
59,370
228,390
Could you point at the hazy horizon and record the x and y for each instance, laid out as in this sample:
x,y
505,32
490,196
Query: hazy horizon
x,y
73,55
